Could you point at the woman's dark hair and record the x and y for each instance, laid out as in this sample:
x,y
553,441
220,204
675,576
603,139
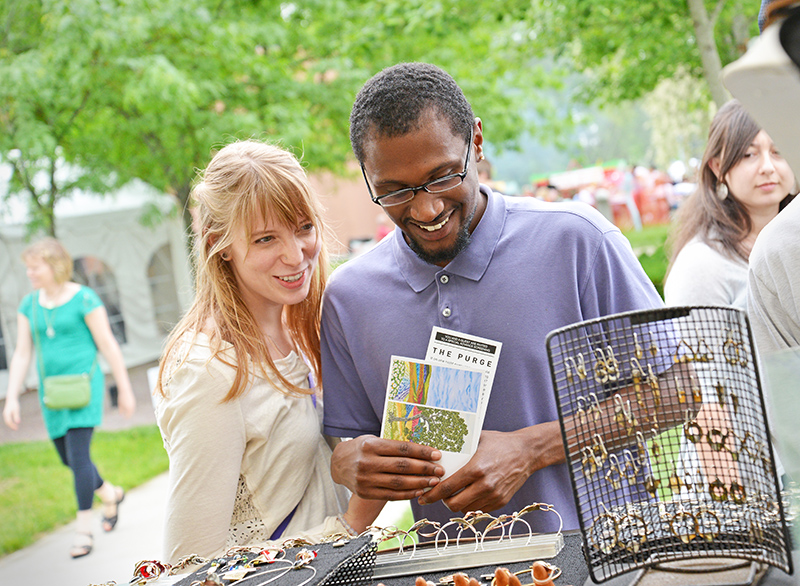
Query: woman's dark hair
x,y
723,224
394,100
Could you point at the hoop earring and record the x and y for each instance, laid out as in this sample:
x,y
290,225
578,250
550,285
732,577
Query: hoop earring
x,y
704,532
225,256
604,533
691,527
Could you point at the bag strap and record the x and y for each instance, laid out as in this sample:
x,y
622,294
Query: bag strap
x,y
36,334
39,346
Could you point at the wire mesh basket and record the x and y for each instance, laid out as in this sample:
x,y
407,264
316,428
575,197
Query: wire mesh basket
x,y
667,439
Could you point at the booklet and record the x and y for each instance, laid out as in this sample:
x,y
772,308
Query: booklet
x,y
434,405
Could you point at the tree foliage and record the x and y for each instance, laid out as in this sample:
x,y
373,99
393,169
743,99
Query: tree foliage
x,y
429,426
149,88
627,48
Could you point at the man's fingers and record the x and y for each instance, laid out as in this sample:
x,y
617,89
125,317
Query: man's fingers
x,y
394,487
386,447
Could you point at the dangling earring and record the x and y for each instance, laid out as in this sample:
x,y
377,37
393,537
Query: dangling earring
x,y
722,191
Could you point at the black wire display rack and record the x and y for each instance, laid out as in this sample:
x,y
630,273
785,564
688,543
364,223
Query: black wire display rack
x,y
667,440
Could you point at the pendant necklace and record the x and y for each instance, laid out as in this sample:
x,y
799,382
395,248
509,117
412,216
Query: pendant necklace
x,y
50,332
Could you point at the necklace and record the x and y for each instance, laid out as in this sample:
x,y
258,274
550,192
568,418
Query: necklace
x,y
50,332
51,308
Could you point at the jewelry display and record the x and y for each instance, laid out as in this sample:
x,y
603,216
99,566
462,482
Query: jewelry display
x,y
673,400
476,539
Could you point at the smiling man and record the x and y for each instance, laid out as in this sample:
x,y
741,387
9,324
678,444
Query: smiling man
x,y
466,259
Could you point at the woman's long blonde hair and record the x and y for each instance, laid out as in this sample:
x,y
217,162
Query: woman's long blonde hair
x,y
245,180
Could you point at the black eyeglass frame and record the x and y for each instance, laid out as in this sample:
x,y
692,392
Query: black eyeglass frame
x,y
425,186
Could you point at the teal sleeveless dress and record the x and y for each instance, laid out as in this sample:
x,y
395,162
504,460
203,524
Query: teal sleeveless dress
x,y
70,350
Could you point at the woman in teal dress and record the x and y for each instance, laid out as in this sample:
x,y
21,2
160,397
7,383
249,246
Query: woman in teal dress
x,y
66,324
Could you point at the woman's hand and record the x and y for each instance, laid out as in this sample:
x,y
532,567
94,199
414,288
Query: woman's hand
x,y
11,414
126,402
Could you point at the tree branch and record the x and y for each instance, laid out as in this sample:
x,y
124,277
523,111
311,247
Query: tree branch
x,y
712,18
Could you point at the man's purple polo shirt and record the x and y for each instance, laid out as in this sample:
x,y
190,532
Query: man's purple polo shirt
x,y
531,267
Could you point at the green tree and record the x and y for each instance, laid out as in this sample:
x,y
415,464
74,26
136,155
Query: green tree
x,y
438,428
627,48
115,89
51,75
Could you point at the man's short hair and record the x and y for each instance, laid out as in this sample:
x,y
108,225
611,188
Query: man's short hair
x,y
392,102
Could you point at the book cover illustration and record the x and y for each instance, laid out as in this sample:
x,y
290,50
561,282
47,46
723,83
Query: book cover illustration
x,y
433,405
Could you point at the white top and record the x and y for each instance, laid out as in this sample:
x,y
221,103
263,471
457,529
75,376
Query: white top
x,y
701,275
774,282
238,468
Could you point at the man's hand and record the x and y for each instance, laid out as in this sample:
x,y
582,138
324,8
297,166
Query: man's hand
x,y
375,468
499,467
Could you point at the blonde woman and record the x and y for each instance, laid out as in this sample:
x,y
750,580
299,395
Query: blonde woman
x,y
71,325
238,400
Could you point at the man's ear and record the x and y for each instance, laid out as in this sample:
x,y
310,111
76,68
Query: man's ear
x,y
477,138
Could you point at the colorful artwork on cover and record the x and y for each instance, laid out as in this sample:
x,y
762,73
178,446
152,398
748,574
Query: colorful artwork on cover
x,y
434,385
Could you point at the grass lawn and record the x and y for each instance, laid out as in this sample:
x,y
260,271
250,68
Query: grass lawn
x,y
36,489
649,247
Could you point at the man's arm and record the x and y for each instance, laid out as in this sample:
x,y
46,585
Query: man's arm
x,y
375,468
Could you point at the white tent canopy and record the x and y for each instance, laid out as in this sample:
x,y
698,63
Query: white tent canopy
x,y
142,269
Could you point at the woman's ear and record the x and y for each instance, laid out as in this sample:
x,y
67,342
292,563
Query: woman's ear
x,y
713,164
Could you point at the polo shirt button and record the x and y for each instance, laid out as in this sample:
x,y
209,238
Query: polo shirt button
x,y
446,312
444,279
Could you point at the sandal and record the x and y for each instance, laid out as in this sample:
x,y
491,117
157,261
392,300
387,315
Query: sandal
x,y
111,521
82,545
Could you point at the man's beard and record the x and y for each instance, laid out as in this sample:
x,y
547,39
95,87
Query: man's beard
x,y
443,256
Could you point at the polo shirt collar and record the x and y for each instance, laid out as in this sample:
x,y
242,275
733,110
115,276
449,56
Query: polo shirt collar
x,y
471,263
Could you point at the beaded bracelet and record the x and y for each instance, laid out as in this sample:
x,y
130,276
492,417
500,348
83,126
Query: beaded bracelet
x,y
347,526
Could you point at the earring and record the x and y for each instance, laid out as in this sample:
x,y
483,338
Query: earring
x,y
716,439
710,530
722,191
737,493
637,349
683,525
225,256
691,429
717,491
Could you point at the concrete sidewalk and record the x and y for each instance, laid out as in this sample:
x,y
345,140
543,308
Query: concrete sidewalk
x,y
138,536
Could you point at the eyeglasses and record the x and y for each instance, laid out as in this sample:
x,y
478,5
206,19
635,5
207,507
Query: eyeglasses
x,y
406,194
